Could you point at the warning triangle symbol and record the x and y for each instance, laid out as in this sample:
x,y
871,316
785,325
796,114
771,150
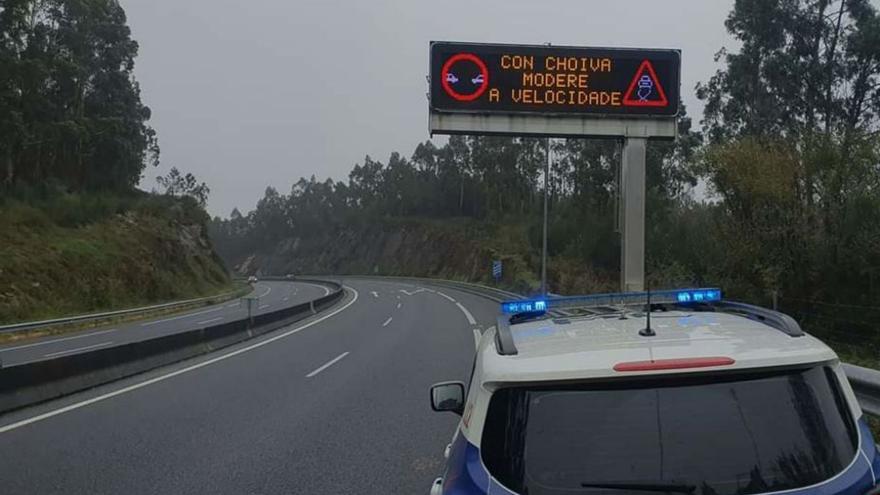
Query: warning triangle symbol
x,y
645,89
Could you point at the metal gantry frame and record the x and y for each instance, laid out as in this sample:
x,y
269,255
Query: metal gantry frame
x,y
633,131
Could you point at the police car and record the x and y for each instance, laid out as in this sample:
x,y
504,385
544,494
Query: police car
x,y
676,392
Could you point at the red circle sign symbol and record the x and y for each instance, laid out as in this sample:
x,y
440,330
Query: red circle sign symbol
x,y
484,74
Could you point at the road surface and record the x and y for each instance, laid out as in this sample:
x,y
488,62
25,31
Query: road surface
x,y
273,296
334,404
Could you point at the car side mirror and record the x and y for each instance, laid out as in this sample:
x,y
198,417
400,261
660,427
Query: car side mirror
x,y
448,396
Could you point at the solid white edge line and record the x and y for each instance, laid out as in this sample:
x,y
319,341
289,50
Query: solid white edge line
x,y
467,314
72,407
70,351
326,289
212,320
327,364
264,306
477,337
56,340
444,295
387,321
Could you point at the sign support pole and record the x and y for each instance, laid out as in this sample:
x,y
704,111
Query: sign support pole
x,y
632,243
544,251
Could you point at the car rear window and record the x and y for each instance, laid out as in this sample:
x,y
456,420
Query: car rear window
x,y
741,434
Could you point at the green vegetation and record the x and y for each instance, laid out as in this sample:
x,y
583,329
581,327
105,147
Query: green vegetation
x,y
75,234
788,156
70,109
113,252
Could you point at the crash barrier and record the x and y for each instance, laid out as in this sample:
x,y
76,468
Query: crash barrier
x,y
37,381
108,315
866,384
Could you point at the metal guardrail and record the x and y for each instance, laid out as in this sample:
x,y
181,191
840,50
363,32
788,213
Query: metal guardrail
x,y
37,381
866,384
29,325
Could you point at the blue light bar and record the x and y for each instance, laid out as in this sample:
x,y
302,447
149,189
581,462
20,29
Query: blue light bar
x,y
678,296
516,307
698,295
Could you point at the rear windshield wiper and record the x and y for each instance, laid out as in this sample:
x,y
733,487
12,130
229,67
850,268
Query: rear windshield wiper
x,y
644,486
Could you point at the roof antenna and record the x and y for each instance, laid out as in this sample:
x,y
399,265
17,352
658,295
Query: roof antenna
x,y
647,332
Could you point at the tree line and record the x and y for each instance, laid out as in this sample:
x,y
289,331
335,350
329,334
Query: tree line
x,y
71,115
787,154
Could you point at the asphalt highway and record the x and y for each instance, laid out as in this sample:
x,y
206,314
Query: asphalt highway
x,y
337,403
272,296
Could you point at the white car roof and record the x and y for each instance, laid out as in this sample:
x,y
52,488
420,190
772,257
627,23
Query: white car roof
x,y
591,347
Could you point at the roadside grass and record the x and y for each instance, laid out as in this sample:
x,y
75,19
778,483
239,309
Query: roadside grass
x,y
76,254
874,424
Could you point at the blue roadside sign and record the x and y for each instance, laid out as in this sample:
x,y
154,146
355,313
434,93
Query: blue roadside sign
x,y
496,269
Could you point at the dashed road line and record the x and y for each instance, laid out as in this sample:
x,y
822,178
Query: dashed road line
x,y
212,320
35,344
218,308
398,305
264,306
71,351
328,364
387,321
374,293
87,402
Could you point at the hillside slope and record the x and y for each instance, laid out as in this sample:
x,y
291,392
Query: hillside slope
x,y
134,252
459,249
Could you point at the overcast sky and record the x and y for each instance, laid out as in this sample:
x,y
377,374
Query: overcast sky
x,y
257,93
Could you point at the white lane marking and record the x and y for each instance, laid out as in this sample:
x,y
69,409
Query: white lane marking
x,y
327,365
73,407
212,320
374,293
264,306
218,308
387,321
233,305
326,289
285,298
71,351
420,289
477,337
56,340
398,305
467,314
268,290
444,295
